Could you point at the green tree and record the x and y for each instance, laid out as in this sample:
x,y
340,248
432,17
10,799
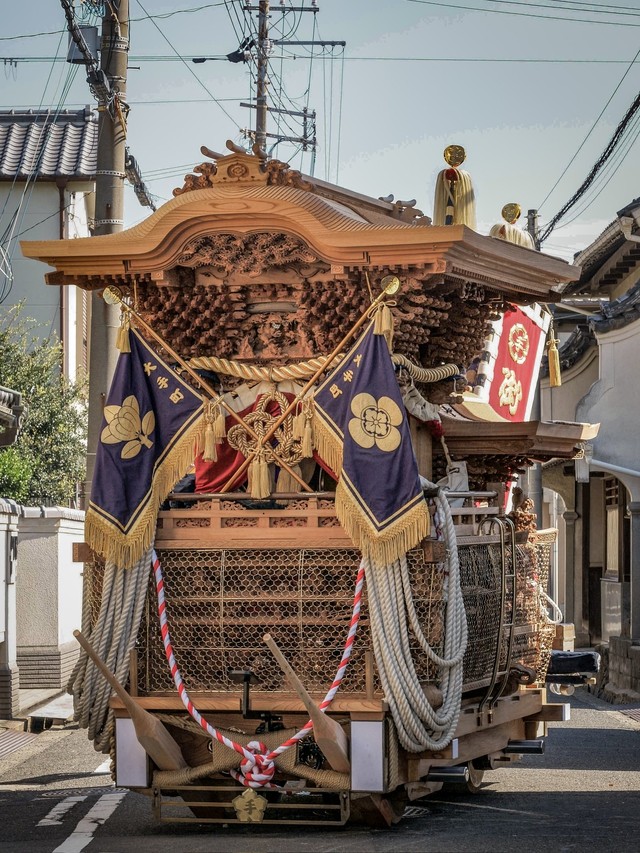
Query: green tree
x,y
48,459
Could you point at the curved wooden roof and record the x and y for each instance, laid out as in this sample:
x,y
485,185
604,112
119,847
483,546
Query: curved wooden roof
x,y
239,195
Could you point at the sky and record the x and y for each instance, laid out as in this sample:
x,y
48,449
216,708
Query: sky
x,y
532,91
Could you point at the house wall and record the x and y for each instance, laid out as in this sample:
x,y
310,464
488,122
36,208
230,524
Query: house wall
x,y
600,389
39,219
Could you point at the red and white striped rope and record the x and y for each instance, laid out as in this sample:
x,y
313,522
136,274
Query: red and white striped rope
x,y
257,766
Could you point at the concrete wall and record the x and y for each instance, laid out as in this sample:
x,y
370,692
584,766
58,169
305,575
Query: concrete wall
x,y
9,675
49,595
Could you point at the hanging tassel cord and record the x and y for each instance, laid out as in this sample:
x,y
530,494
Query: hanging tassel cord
x,y
392,611
257,766
555,376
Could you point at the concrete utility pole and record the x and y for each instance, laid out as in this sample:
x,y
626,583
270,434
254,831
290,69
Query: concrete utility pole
x,y
109,207
263,64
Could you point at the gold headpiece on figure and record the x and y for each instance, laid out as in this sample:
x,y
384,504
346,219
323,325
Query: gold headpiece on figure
x,y
454,155
511,212
508,230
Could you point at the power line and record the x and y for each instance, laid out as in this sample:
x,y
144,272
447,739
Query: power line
x,y
191,71
593,126
341,57
522,14
604,157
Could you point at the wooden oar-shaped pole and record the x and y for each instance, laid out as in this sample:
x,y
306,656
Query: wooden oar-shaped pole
x,y
328,733
154,738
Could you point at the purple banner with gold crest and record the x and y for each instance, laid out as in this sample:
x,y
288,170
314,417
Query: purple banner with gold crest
x,y
362,433
150,426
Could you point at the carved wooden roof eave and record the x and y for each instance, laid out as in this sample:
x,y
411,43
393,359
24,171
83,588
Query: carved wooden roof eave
x,y
539,440
455,251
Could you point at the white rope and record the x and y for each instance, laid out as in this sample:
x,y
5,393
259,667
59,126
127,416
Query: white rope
x,y
392,611
113,636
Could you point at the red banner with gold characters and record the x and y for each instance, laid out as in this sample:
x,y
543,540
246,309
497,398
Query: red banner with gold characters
x,y
517,362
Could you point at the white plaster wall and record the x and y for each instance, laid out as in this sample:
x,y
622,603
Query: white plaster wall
x,y
560,404
49,588
614,400
37,220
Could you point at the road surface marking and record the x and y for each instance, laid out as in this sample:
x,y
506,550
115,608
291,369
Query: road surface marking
x,y
54,818
95,817
489,808
105,767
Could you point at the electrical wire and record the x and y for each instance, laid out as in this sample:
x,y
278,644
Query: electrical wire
x,y
602,160
521,14
191,71
592,128
608,172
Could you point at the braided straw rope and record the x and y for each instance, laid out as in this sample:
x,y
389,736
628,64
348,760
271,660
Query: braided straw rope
x,y
426,375
224,760
305,369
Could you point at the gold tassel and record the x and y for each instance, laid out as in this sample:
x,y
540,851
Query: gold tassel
x,y
307,433
219,425
260,478
122,336
384,324
299,420
209,453
555,377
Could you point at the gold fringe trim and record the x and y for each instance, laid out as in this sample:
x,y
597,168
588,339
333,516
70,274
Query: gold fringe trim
x,y
126,549
387,546
383,547
327,444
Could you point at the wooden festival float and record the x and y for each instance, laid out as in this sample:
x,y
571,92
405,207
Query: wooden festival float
x,y
254,283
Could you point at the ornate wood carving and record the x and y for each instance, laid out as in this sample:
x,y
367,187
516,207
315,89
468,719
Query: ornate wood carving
x,y
239,166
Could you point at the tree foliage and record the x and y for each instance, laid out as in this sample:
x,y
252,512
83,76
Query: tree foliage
x,y
48,459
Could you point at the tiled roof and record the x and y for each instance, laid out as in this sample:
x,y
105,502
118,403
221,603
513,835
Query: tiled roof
x,y
48,145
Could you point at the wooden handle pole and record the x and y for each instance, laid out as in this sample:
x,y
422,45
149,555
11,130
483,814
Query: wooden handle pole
x,y
153,736
328,733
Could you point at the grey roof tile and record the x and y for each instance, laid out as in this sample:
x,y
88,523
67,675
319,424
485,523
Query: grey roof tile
x,y
48,145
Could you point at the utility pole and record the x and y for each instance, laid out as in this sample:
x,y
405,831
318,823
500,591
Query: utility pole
x,y
110,85
263,48
534,474
263,64
532,227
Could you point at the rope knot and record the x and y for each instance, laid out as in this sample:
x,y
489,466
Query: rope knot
x,y
256,772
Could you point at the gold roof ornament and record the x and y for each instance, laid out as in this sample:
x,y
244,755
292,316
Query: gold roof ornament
x,y
454,202
508,230
511,212
455,155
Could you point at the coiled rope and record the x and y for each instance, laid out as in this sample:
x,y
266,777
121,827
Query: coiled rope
x,y
258,765
305,369
113,637
392,611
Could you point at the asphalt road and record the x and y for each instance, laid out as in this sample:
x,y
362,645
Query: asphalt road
x,y
582,794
